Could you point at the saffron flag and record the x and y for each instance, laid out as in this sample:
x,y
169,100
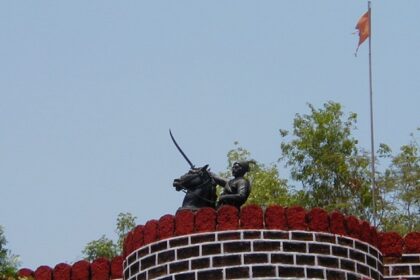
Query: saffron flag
x,y
363,25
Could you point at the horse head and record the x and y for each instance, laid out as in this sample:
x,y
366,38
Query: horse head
x,y
193,178
199,187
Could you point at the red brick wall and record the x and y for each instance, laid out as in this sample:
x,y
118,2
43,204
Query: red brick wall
x,y
258,253
272,242
100,269
276,242
274,217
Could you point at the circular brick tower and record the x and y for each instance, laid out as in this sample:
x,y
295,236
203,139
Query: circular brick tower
x,y
275,243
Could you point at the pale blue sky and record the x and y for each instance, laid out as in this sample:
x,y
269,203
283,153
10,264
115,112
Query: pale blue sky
x,y
89,89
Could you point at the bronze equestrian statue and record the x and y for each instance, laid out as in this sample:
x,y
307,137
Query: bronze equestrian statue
x,y
199,185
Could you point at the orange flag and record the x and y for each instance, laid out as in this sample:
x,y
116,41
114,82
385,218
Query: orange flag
x,y
364,28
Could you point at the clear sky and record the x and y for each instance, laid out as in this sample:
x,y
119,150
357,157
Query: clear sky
x,y
89,89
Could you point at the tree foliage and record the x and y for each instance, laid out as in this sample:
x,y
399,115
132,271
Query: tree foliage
x,y
323,156
100,248
107,248
125,223
8,261
400,190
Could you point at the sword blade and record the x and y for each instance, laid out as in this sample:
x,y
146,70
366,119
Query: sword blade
x,y
180,150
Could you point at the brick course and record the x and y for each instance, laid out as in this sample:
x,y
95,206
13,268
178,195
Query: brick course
x,y
235,255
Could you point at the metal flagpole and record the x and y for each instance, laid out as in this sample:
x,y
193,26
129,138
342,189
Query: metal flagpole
x,y
372,144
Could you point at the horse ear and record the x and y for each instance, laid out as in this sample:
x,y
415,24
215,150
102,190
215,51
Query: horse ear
x,y
204,167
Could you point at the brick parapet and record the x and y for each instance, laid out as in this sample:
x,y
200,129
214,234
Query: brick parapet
x,y
250,254
343,237
405,267
273,217
99,269
344,255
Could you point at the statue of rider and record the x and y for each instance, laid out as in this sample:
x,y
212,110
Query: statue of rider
x,y
235,191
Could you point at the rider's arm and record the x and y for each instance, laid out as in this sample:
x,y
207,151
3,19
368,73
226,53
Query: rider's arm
x,y
219,180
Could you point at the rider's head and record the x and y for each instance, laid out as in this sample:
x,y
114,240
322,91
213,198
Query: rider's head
x,y
239,168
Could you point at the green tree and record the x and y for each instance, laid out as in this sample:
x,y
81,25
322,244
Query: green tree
x,y
107,248
125,223
385,193
267,186
100,248
400,187
323,156
8,261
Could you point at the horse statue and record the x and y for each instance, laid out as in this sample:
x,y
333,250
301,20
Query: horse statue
x,y
199,187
